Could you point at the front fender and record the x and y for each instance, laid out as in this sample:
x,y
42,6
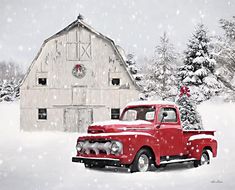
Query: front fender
x,y
132,143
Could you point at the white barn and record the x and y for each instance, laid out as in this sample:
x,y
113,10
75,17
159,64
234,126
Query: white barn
x,y
78,77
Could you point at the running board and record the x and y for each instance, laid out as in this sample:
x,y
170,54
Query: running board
x,y
177,161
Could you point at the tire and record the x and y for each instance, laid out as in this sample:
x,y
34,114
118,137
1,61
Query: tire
x,y
205,159
142,161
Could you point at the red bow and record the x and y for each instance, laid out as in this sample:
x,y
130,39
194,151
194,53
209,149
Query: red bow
x,y
184,90
78,67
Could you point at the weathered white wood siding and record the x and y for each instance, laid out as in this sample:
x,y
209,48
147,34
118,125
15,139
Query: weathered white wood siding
x,y
94,92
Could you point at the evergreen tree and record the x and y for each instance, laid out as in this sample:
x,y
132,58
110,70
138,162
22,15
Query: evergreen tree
x,y
9,90
224,51
160,77
10,78
229,28
190,118
226,55
199,67
132,66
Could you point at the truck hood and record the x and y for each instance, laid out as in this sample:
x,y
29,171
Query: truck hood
x,y
113,126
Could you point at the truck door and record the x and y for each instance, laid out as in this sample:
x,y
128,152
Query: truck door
x,y
170,133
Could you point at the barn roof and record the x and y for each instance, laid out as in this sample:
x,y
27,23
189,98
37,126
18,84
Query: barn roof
x,y
80,22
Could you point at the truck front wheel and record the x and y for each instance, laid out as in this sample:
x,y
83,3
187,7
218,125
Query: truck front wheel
x,y
142,161
205,159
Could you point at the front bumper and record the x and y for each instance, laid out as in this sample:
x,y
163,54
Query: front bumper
x,y
97,161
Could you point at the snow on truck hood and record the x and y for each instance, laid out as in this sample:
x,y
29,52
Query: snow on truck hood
x,y
117,134
119,122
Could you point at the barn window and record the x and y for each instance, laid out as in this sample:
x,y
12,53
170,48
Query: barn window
x,y
115,113
42,114
42,81
116,81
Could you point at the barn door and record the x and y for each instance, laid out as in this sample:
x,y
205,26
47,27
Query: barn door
x,y
71,120
79,95
77,120
85,119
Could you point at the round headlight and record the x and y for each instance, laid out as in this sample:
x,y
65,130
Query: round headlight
x,y
79,146
116,147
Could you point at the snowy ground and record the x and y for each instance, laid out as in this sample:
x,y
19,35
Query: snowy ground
x,y
42,160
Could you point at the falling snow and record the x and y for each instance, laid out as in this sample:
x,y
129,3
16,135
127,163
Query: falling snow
x,y
129,22
33,160
42,160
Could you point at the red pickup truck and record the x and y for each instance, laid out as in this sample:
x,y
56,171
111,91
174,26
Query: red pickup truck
x,y
147,133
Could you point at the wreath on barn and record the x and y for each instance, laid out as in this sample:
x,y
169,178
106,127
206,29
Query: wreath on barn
x,y
79,71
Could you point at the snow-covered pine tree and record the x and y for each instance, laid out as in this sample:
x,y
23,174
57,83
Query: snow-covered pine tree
x,y
225,55
199,67
9,90
132,66
190,118
160,77
10,78
229,27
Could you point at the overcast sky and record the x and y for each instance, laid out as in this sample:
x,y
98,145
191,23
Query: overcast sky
x,y
134,25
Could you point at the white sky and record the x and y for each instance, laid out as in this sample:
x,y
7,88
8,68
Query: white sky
x,y
134,25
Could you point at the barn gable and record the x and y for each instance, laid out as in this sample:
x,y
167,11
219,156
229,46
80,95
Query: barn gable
x,y
77,23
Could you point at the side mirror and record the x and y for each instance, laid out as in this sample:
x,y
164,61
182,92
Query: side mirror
x,y
164,114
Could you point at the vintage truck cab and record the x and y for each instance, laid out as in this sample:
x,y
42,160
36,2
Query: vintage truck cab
x,y
147,133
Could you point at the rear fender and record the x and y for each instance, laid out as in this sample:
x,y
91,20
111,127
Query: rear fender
x,y
195,147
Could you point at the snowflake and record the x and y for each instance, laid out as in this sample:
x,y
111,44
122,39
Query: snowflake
x,y
20,48
9,20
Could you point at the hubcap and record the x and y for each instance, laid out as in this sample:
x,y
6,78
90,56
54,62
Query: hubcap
x,y
204,159
143,163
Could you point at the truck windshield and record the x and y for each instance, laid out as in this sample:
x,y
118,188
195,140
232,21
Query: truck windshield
x,y
146,113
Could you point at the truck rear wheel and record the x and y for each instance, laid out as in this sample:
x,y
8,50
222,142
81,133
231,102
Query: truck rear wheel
x,y
142,161
205,159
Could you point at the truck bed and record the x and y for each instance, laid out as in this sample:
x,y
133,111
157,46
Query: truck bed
x,y
188,133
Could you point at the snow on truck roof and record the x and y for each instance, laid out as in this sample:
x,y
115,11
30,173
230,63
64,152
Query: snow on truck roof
x,y
118,122
139,103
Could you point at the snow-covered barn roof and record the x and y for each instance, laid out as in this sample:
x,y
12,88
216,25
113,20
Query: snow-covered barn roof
x,y
80,22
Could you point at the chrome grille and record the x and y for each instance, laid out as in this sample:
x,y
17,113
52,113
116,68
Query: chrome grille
x,y
96,147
